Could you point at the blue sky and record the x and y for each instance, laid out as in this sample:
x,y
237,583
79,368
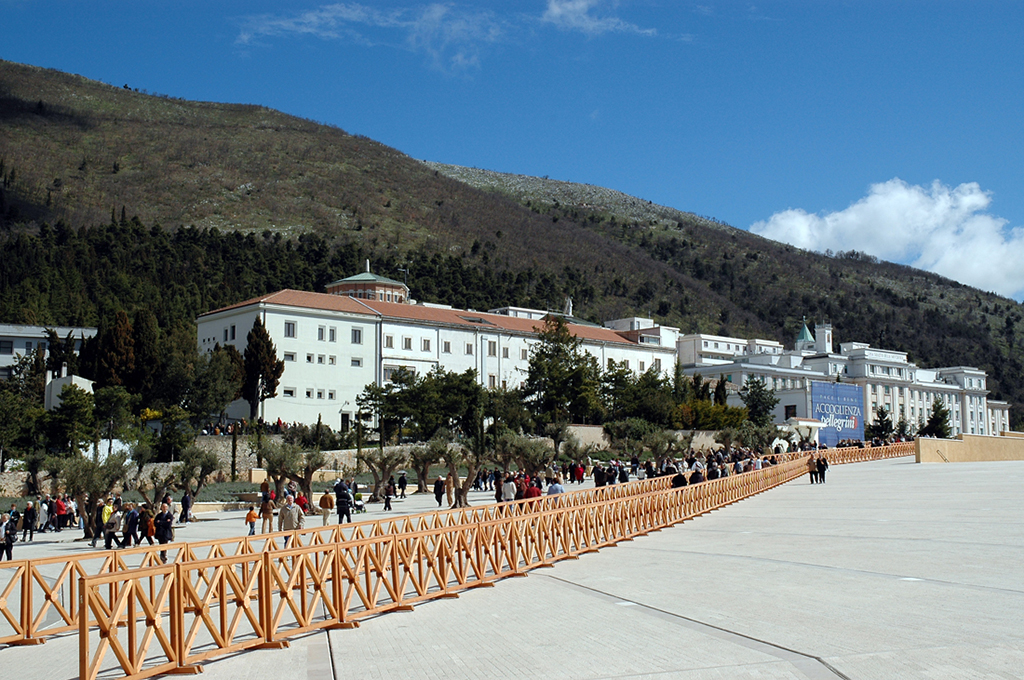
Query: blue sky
x,y
888,127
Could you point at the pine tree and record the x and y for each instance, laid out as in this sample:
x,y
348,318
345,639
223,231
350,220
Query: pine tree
x,y
938,422
759,400
262,368
882,427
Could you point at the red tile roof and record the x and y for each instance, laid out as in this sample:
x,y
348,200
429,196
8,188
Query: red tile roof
x,y
421,313
303,299
462,317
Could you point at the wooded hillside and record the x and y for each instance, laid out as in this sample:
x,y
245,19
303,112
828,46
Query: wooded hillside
x,y
233,201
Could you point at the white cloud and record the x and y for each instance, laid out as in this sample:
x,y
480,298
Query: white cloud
x,y
450,37
576,15
938,228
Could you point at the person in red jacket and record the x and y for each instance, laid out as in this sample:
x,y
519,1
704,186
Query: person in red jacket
x,y
532,491
61,511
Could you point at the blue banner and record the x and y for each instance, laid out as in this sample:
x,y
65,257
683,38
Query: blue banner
x,y
840,408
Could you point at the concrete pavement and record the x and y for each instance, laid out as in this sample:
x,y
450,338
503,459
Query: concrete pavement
x,y
891,569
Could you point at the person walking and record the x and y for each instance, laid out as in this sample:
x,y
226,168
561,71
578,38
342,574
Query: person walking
x,y
389,491
98,522
508,490
439,490
111,527
186,507
146,527
250,519
267,514
403,483
131,527
449,488
812,469
60,514
163,525
344,500
8,535
290,518
28,521
326,505
822,468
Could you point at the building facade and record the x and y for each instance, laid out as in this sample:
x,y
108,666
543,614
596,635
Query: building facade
x,y
17,341
885,378
334,345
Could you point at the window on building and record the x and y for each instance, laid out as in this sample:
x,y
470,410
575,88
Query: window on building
x,y
309,394
446,347
289,329
641,367
357,336
332,360
790,411
625,364
330,394
524,354
320,359
319,394
232,332
504,352
469,348
357,362
321,333
288,391
492,381
407,344
332,334
28,347
289,356
492,348
657,365
425,345
225,335
309,358
389,341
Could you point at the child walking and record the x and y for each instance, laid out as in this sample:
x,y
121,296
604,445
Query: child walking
x,y
250,519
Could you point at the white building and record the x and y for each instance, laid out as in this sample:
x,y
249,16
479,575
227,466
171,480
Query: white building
x,y
17,340
333,345
886,378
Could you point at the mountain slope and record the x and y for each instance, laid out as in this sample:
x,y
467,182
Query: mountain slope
x,y
74,151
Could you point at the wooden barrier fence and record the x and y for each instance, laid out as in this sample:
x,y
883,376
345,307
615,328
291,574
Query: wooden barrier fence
x,y
157,619
40,597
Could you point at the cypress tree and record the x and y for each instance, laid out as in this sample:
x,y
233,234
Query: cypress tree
x,y
262,368
720,393
116,353
145,336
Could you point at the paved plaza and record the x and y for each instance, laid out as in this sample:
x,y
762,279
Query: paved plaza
x,y
890,570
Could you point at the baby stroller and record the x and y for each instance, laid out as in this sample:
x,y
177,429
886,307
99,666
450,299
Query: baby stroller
x,y
357,503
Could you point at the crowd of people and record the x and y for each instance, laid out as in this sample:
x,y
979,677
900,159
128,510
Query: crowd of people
x,y
117,523
126,524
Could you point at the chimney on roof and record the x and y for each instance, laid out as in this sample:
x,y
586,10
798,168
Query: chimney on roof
x,y
367,265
